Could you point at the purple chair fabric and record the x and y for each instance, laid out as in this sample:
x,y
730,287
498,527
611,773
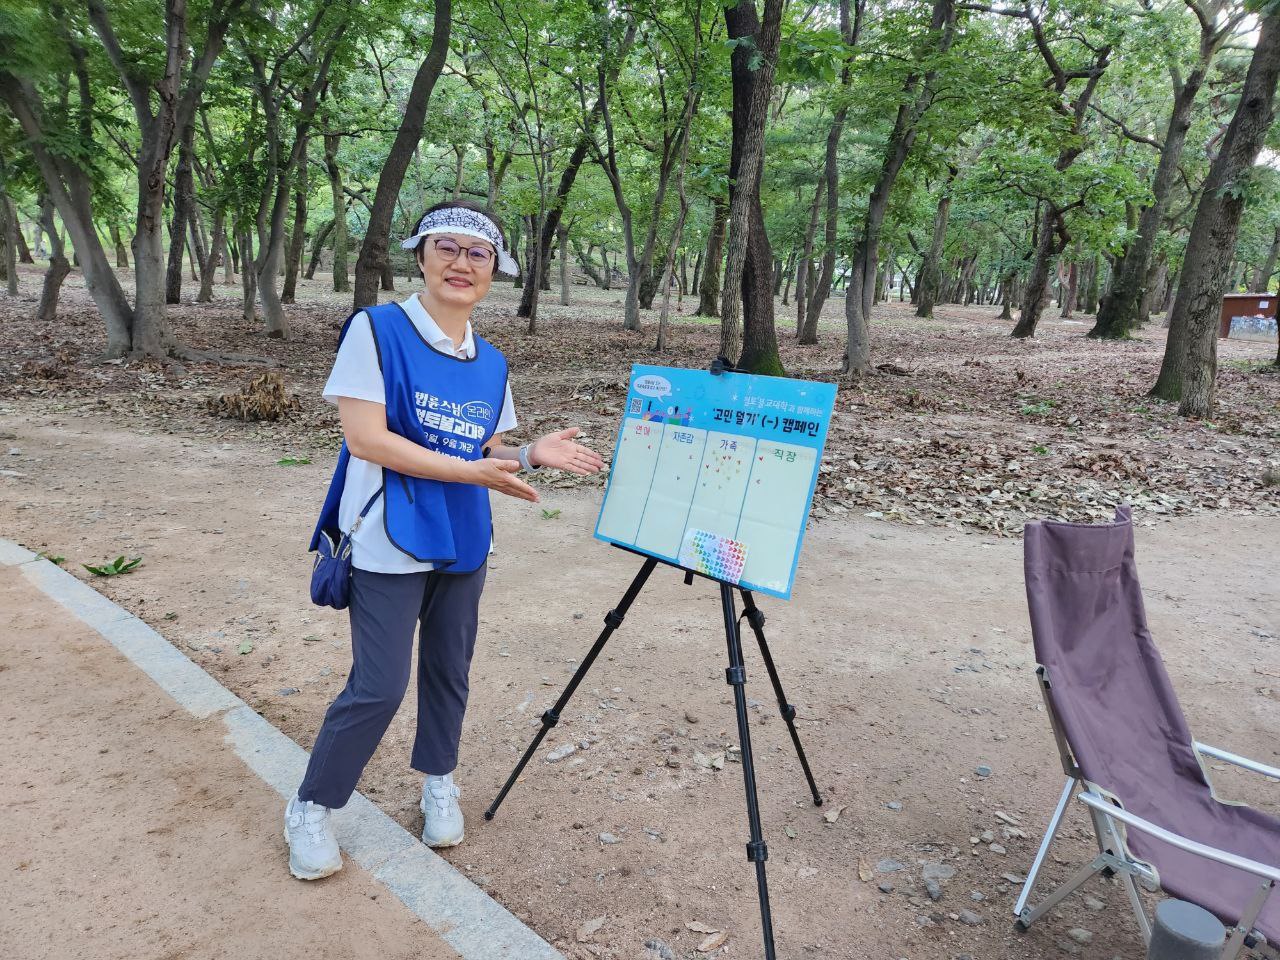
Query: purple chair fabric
x,y
1121,718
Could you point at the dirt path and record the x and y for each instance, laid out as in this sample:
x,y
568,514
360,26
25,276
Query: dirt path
x,y
906,650
131,830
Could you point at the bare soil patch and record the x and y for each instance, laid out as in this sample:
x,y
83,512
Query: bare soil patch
x,y
131,830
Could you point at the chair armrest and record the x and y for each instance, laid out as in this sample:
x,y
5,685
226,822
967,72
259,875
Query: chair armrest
x,y
1239,761
1182,843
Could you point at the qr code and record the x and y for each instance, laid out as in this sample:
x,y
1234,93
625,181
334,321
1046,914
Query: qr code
x,y
635,405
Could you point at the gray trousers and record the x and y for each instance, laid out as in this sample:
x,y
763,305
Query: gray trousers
x,y
385,607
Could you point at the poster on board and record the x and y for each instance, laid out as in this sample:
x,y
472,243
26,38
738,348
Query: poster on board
x,y
715,473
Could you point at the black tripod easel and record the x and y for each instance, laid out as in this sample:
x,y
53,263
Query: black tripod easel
x,y
736,676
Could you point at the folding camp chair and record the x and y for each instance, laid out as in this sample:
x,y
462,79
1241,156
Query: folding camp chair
x,y
1127,751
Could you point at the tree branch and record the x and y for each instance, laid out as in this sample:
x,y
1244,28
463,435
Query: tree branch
x,y
135,85
1135,137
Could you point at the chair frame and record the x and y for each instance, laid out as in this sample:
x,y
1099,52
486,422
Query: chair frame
x,y
1114,857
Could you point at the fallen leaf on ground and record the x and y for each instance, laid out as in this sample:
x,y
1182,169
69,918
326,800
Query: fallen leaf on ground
x,y
865,873
697,927
831,816
712,942
589,928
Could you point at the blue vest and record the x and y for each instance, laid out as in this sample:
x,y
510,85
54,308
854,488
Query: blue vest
x,y
445,404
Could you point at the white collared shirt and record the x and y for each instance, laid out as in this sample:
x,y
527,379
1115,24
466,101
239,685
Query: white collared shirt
x,y
356,374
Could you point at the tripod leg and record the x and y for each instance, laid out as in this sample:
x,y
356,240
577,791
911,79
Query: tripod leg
x,y
613,620
736,676
756,619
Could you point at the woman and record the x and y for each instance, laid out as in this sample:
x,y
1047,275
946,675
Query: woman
x,y
424,404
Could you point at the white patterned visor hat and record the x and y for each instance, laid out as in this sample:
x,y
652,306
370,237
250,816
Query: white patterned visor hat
x,y
468,223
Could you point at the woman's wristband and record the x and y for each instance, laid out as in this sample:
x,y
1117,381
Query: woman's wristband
x,y
523,454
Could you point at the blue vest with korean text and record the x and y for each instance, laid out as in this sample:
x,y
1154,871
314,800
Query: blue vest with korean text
x,y
445,404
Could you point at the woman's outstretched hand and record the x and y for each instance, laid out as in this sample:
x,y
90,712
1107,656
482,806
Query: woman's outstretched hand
x,y
558,451
500,475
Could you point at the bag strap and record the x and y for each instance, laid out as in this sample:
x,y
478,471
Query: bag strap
x,y
367,507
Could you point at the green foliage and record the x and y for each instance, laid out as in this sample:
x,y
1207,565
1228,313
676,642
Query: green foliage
x,y
114,567
1038,408
521,80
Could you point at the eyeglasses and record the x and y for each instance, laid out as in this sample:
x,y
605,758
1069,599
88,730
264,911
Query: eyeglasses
x,y
448,251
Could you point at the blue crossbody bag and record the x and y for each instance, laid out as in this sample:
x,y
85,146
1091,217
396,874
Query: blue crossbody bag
x,y
331,575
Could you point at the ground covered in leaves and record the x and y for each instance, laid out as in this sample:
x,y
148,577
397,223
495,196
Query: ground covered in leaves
x,y
972,429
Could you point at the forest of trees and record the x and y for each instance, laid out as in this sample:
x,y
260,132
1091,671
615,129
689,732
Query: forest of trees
x,y
1106,158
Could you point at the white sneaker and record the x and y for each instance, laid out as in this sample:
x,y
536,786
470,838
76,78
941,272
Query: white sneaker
x,y
313,850
441,816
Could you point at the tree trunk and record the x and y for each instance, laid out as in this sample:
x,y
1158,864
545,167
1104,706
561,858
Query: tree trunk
x,y
1120,310
709,288
562,239
569,174
373,249
228,265
545,265
19,239
9,230
1006,297
806,258
516,245
818,286
1036,293
931,270
648,283
668,262
184,188
1157,283
1088,270
163,107
59,267
1262,275
1189,368
195,246
281,165
862,275
209,268
1073,281
122,252
338,226
1052,238
1093,286
317,247
267,263
151,332
298,238
586,260
248,277
747,293
631,303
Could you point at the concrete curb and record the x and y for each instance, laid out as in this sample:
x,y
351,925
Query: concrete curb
x,y
463,915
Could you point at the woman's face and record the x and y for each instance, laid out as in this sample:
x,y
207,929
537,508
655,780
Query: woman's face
x,y
459,282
